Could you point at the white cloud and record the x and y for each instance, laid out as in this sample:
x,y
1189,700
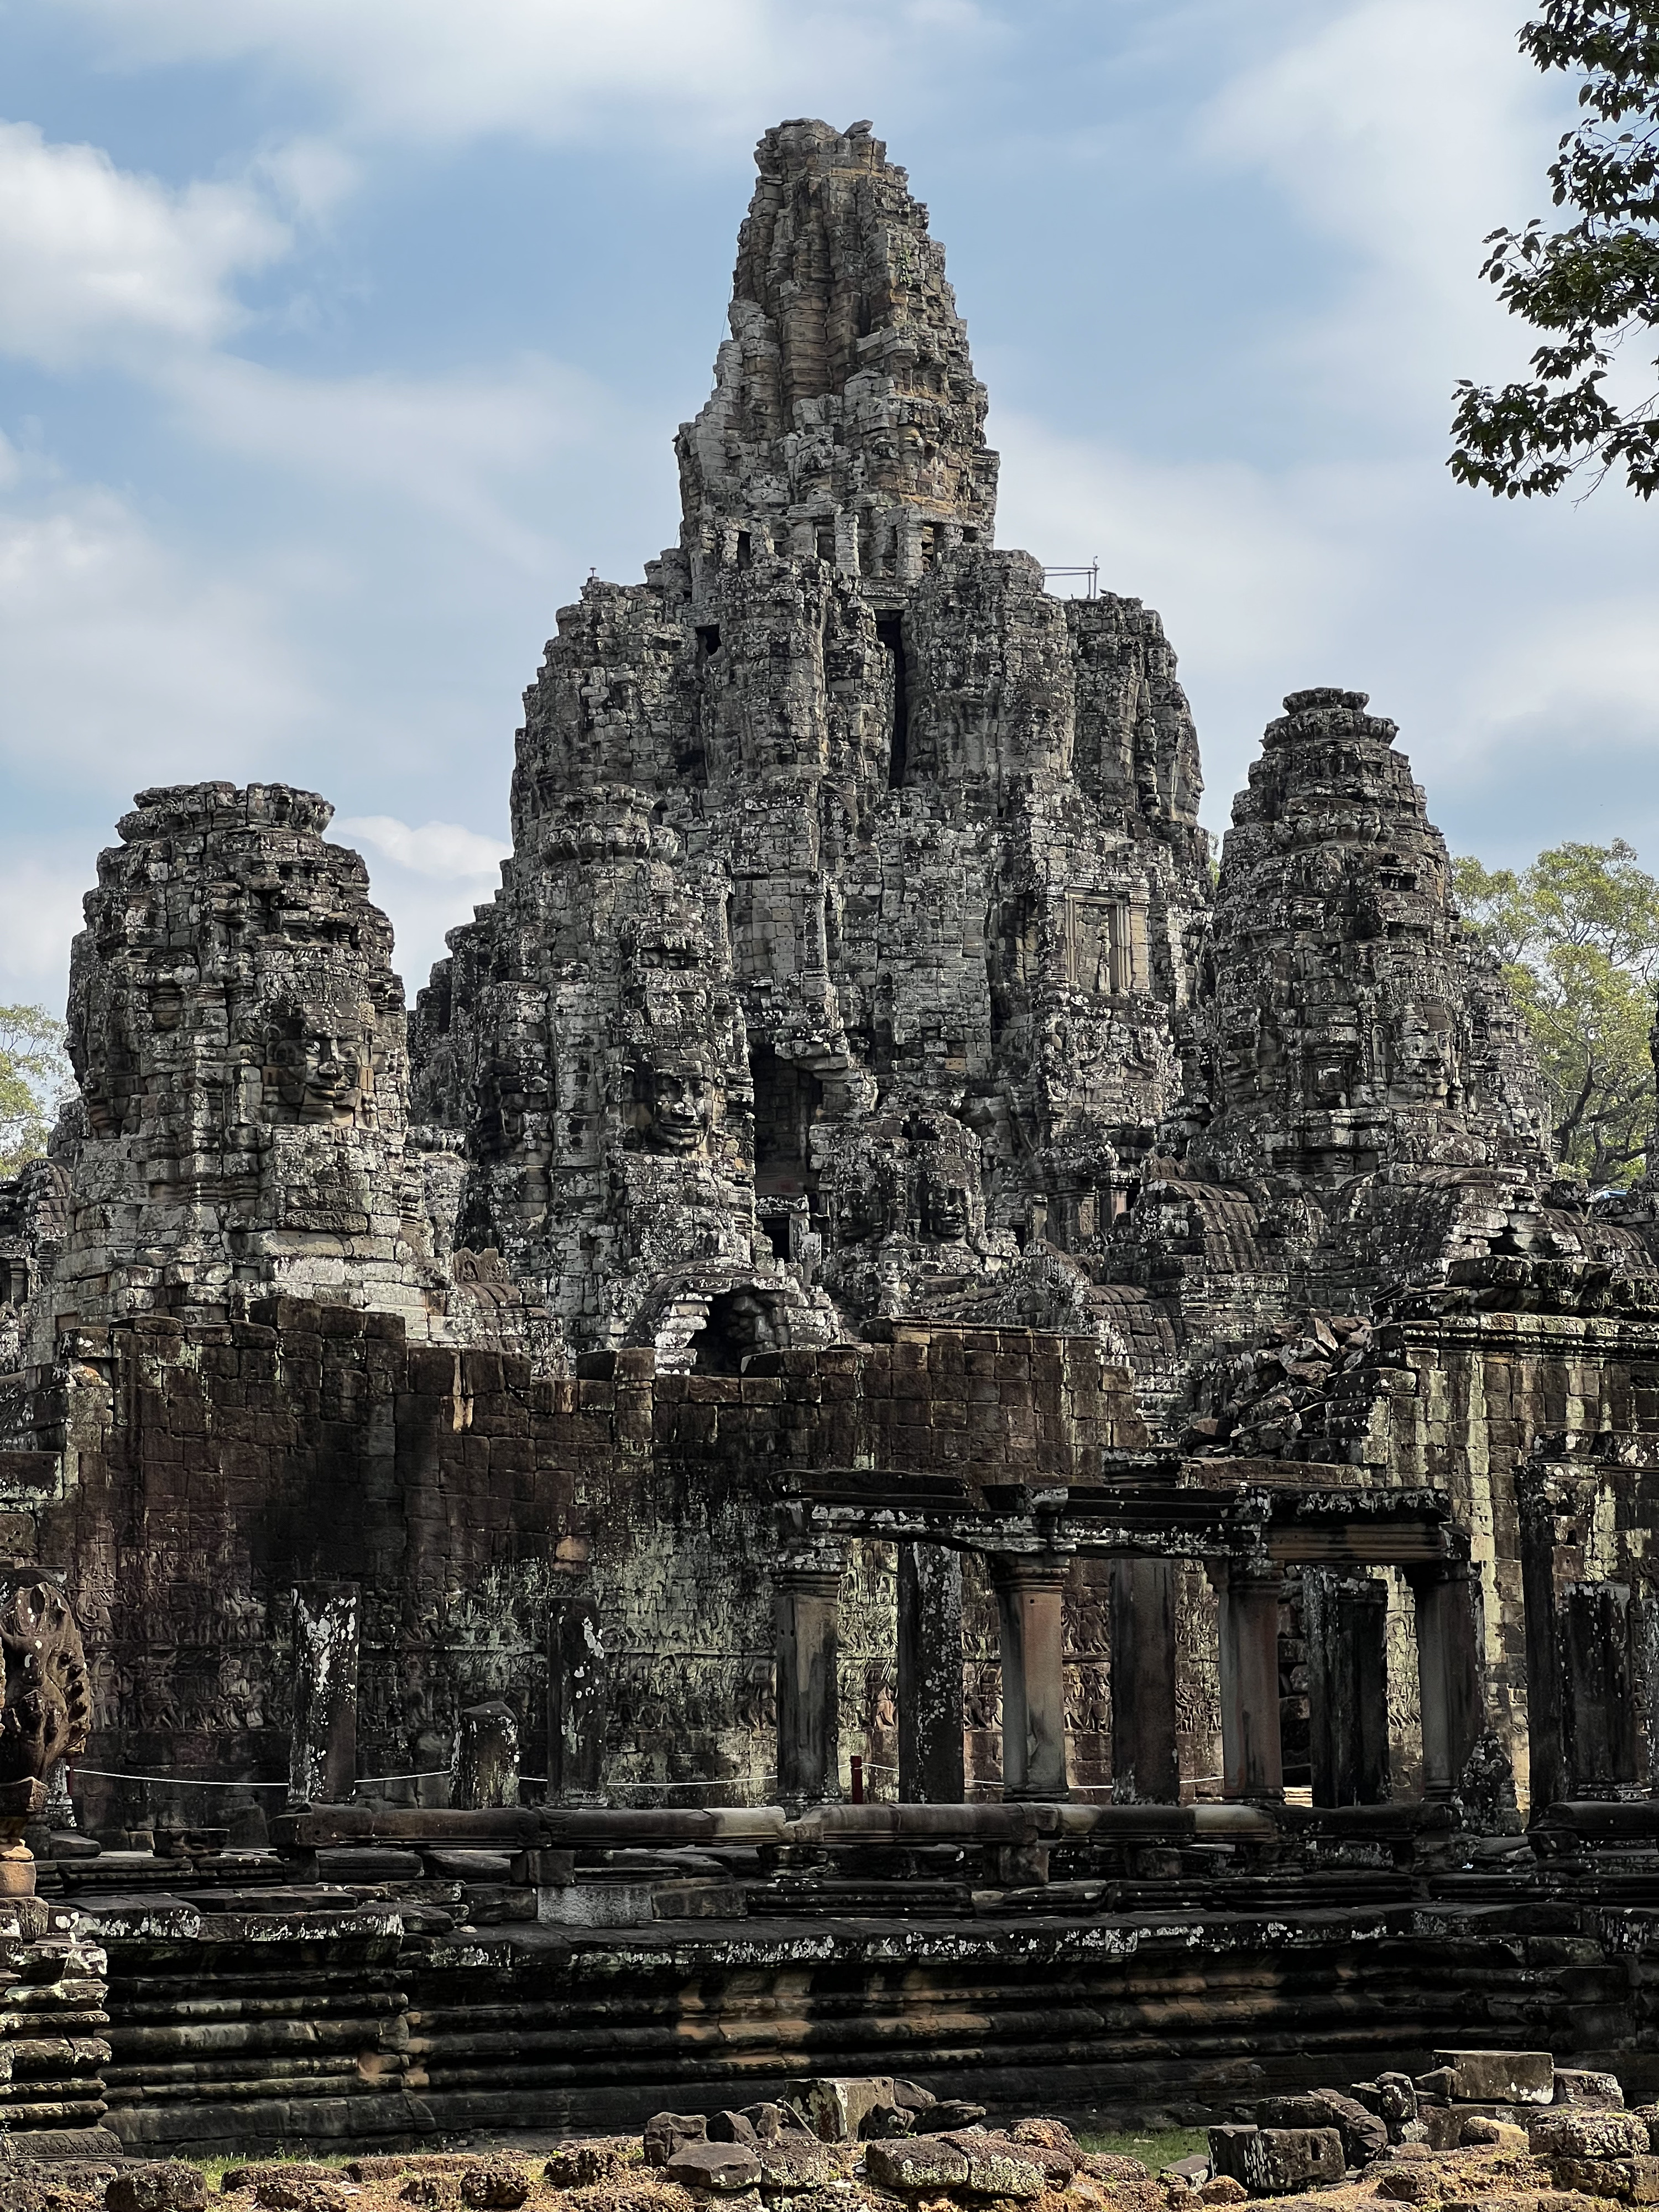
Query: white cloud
x,y
428,881
428,69
1262,567
440,849
90,254
125,664
1404,130
460,447
39,913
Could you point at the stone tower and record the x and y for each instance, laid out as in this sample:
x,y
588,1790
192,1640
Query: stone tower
x,y
239,1037
1354,1024
855,880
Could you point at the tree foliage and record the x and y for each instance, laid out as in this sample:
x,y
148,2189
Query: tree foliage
x,y
1590,286
1578,935
34,1078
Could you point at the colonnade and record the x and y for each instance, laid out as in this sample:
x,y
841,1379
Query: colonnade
x,y
1348,1676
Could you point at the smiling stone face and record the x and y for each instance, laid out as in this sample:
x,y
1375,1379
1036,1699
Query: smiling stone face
x,y
677,1107
317,1068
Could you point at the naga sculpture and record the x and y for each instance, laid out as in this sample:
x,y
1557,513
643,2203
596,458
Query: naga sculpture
x,y
45,1716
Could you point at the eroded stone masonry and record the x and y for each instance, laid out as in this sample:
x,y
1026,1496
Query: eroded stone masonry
x,y
879,1364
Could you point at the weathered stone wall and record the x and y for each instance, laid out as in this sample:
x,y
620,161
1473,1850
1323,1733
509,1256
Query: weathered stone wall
x,y
189,1476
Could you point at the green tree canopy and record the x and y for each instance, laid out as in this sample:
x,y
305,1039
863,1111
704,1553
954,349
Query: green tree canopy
x,y
1589,286
1578,935
34,1078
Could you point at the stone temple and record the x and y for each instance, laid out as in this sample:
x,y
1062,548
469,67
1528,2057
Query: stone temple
x,y
889,1419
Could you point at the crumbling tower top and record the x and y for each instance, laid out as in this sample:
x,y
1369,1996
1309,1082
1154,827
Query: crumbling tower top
x,y
846,419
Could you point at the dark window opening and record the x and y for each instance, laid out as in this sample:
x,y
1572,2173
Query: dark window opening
x,y
889,632
776,1226
827,545
745,550
709,638
786,1102
739,1324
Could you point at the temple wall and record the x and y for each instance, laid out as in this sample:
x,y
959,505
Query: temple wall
x,y
189,1476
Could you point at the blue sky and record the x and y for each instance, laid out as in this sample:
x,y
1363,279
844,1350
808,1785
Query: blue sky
x,y
340,338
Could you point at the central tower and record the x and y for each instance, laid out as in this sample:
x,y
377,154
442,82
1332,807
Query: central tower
x,y
856,882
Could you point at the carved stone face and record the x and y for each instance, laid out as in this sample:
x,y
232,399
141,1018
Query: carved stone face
x,y
680,1105
316,1074
1421,1057
945,1209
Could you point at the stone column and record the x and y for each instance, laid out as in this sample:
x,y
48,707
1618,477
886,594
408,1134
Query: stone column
x,y
806,1591
1448,1672
1345,1621
322,1766
484,1770
1145,1763
930,1675
1252,1767
1031,1609
578,1702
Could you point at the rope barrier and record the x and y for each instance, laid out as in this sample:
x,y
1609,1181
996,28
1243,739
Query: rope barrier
x,y
170,1780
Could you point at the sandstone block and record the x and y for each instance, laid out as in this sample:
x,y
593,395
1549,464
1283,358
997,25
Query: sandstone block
x,y
1498,2077
1586,2133
583,2164
494,2184
724,2168
1573,2086
1411,2184
835,2104
1365,2136
1628,2180
997,2167
666,2131
795,2161
168,2185
941,2118
916,2165
1477,2131
1274,2161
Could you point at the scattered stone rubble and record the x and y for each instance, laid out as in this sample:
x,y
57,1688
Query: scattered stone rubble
x,y
1481,2127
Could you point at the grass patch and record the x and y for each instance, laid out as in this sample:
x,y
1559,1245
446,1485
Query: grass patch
x,y
1154,2151
212,2169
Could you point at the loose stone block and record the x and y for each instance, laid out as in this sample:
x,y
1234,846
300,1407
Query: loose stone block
x,y
916,2165
1273,2161
724,2168
1580,2134
1498,2077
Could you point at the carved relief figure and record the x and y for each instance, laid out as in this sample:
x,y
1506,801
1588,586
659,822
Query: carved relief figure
x,y
48,1698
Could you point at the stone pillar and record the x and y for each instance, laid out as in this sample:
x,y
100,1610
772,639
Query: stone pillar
x,y
1345,1620
1145,1763
1448,1672
578,1702
484,1770
846,541
807,1590
929,1676
1030,1610
322,1766
1252,1767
